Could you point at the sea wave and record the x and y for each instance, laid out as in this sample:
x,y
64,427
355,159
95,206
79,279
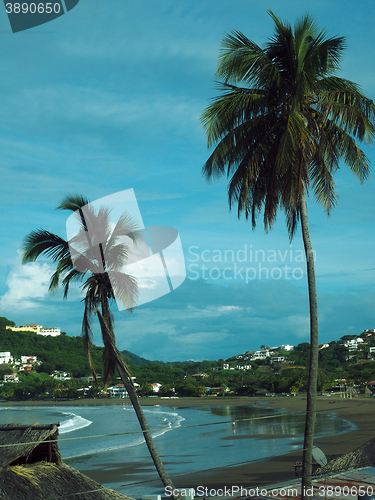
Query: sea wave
x,y
73,423
168,420
126,431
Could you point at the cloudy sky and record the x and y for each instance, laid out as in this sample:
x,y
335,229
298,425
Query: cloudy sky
x,y
108,98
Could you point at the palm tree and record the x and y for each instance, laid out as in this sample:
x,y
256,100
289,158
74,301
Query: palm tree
x,y
96,264
280,127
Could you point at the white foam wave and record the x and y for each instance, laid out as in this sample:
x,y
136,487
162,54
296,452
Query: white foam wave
x,y
162,421
74,423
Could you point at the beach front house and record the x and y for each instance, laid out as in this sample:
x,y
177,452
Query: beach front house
x,y
117,391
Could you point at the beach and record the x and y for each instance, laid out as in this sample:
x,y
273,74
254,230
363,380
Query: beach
x,y
359,411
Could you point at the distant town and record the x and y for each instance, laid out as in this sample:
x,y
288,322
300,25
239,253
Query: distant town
x,y
60,369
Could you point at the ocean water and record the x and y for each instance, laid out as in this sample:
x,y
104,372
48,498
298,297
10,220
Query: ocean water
x,y
108,438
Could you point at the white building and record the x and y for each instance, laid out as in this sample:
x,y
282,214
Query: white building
x,y
60,375
5,357
28,360
287,347
260,355
277,359
323,346
52,332
118,391
352,344
11,377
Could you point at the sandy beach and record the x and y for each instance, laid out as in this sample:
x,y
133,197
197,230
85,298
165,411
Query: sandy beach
x,y
360,411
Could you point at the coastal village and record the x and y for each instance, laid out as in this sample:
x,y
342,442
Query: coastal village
x,y
278,357
27,363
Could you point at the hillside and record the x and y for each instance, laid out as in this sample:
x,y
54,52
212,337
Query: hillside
x,y
136,360
348,361
56,353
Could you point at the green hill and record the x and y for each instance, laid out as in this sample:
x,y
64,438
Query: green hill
x,y
56,353
136,360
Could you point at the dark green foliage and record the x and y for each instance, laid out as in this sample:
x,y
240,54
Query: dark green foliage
x,y
6,322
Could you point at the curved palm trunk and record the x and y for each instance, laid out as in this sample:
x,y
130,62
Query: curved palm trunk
x,y
314,354
123,371
166,480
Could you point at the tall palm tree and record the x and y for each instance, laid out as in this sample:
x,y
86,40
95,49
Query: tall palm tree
x,y
96,264
281,125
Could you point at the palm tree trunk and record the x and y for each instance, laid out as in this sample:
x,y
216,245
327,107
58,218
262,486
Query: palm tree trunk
x,y
110,344
166,480
314,355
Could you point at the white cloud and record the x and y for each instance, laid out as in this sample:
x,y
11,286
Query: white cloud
x,y
26,286
212,311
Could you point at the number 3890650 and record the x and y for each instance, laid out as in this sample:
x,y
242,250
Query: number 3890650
x,y
33,8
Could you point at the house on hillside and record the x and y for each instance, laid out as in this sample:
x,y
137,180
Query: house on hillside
x,y
48,331
5,358
31,467
368,333
352,344
277,359
38,329
260,355
11,377
27,362
287,347
25,328
61,375
323,346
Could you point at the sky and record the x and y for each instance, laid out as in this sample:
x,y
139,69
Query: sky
x,y
108,98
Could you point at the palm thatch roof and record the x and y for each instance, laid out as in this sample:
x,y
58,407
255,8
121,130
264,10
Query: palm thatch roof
x,y
31,468
362,456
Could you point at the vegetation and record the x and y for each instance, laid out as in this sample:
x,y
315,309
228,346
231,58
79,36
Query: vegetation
x,y
280,128
180,378
56,353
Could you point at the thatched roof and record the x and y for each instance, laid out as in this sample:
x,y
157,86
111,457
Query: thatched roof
x,y
28,443
31,468
361,457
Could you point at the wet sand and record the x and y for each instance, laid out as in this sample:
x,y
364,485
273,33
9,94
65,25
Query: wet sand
x,y
360,411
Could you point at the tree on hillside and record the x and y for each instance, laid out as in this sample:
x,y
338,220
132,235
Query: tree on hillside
x,y
280,127
97,266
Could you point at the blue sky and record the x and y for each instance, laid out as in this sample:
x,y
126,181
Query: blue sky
x,y
108,98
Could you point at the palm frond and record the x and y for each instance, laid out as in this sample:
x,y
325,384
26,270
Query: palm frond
x,y
41,242
73,202
288,125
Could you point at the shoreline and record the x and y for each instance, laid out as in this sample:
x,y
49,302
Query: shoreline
x,y
278,469
359,411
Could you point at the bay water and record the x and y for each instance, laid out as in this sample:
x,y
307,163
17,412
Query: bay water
x,y
106,442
